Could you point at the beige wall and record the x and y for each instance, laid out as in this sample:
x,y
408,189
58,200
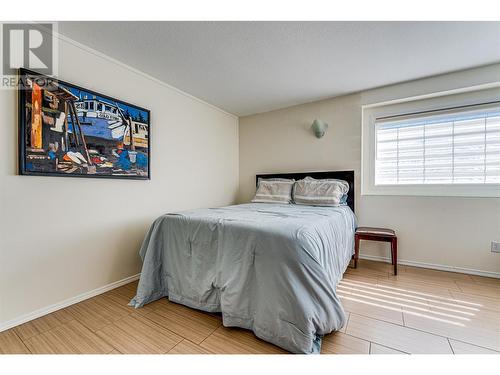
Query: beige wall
x,y
433,231
61,237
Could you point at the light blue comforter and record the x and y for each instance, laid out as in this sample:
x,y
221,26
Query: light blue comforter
x,y
271,268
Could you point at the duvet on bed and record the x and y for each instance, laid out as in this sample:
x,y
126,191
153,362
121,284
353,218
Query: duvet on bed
x,y
270,268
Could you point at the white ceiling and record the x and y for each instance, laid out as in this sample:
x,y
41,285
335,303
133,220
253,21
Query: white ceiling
x,y
252,67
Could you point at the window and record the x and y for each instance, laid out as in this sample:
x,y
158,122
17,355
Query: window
x,y
439,147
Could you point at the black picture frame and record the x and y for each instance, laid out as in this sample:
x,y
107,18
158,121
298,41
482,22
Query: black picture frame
x,y
23,74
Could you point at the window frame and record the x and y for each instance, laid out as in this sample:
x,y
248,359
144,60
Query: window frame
x,y
430,102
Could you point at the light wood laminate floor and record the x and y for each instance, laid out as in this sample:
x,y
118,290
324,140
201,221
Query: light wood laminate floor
x,y
418,311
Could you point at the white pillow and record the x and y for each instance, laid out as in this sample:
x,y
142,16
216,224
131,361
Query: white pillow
x,y
325,192
274,190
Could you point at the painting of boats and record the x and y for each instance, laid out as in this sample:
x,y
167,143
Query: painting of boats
x,y
66,130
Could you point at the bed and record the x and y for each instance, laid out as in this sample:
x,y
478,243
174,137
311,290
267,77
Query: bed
x,y
271,268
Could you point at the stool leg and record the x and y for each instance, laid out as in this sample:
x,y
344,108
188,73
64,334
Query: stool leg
x,y
394,253
356,251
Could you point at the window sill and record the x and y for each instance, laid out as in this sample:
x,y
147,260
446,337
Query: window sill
x,y
457,190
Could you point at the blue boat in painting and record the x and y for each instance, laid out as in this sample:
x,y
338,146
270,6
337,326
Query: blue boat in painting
x,y
102,119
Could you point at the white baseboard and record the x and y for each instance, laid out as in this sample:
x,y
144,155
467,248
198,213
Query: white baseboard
x,y
439,267
68,302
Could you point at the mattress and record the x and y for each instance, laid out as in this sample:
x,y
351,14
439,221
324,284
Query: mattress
x,y
270,268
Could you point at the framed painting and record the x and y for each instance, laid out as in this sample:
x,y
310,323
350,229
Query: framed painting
x,y
67,130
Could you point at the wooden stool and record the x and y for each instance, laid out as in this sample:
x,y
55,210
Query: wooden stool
x,y
377,234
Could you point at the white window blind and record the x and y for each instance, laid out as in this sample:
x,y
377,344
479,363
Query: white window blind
x,y
460,146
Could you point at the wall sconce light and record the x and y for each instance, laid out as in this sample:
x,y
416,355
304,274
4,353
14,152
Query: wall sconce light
x,y
319,128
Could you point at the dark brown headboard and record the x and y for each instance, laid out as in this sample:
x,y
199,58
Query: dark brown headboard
x,y
339,175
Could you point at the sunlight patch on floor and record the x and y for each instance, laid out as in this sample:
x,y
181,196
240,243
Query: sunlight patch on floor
x,y
415,295
407,301
386,302
409,312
